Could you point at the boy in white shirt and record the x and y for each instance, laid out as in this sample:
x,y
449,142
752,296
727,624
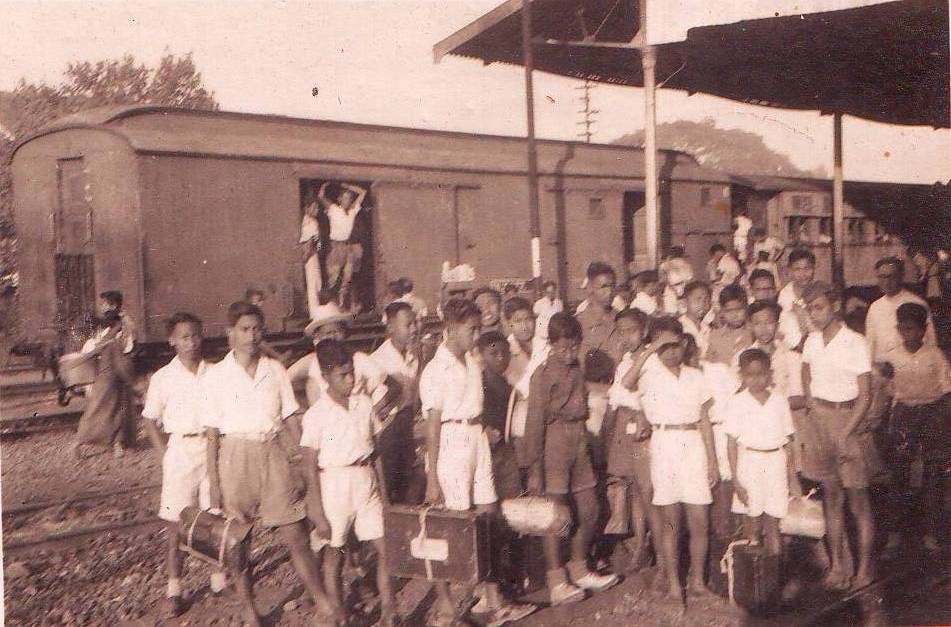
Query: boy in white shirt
x,y
343,491
697,315
676,402
546,307
173,404
759,426
837,444
646,288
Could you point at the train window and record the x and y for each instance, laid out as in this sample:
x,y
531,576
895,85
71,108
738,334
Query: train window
x,y
855,231
595,208
802,202
797,229
705,196
825,230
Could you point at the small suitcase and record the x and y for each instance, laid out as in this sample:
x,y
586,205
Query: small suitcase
x,y
212,538
437,544
752,576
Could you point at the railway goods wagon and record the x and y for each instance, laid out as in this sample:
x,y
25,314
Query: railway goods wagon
x,y
184,209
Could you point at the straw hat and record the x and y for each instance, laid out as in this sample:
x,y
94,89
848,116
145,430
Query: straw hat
x,y
325,314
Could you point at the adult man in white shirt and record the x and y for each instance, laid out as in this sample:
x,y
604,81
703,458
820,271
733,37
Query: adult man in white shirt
x,y
345,255
546,307
881,324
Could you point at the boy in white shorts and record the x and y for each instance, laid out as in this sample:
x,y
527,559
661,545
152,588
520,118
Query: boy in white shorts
x,y
343,491
458,456
172,404
759,426
676,402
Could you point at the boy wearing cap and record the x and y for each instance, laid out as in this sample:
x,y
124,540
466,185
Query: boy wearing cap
x,y
249,411
838,449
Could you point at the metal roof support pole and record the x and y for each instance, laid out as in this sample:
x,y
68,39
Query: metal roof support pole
x,y
838,210
648,61
534,218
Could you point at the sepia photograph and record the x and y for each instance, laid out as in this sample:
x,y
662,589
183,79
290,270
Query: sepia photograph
x,y
450,313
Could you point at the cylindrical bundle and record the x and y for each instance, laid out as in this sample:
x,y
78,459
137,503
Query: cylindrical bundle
x,y
537,516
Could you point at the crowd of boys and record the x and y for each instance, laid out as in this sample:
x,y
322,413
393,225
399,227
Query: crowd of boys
x,y
671,399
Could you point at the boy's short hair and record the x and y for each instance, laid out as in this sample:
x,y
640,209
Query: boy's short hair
x,y
893,261
634,314
243,308
563,326
393,309
251,292
492,337
598,367
697,284
676,251
182,317
819,289
798,254
764,305
113,297
716,248
663,324
762,273
646,277
458,310
332,354
516,303
406,284
107,319
752,355
732,293
547,283
914,313
485,289
599,268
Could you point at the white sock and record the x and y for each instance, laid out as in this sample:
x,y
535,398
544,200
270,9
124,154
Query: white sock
x,y
174,588
219,581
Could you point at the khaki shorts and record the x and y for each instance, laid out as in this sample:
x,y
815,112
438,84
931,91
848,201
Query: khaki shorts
x,y
568,466
823,460
257,482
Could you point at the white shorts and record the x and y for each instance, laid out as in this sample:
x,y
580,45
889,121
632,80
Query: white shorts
x,y
765,477
351,498
464,468
184,476
679,468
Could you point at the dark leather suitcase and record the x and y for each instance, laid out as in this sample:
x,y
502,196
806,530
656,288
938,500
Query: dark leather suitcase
x,y
437,544
753,575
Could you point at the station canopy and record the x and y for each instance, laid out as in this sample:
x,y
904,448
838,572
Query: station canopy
x,y
882,61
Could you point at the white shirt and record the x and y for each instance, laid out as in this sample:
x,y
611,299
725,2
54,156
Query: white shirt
x,y
722,381
368,375
341,437
417,304
451,387
835,367
645,303
341,222
618,394
544,309
670,399
701,334
773,246
881,330
787,298
234,402
174,397
403,368
308,228
756,425
729,270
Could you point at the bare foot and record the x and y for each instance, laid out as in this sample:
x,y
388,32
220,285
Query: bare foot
x,y
836,579
697,590
862,578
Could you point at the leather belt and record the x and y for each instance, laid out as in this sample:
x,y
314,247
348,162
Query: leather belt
x,y
762,450
252,437
833,404
688,426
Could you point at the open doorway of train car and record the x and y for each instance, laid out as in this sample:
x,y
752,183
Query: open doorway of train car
x,y
74,265
634,230
362,291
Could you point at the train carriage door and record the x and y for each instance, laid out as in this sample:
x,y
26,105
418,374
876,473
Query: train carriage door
x,y
74,263
416,232
634,229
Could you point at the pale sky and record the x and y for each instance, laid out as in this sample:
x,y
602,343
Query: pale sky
x,y
372,62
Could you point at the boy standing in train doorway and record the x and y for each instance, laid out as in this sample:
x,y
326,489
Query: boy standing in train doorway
x,y
345,253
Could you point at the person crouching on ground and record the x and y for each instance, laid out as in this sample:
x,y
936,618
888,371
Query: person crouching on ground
x,y
759,426
250,419
343,491
559,462
676,402
459,457
173,404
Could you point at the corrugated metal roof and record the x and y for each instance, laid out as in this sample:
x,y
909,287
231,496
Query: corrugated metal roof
x,y
169,130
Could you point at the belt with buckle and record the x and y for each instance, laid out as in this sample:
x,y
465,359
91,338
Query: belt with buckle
x,y
252,437
687,426
189,435
762,450
833,404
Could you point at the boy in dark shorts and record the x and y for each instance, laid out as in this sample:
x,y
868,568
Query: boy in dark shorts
x,y
556,447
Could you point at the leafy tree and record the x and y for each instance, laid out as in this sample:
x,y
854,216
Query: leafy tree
x,y
728,150
175,82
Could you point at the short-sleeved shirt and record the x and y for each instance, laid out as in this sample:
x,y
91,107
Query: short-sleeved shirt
x,y
725,343
452,387
834,368
700,333
757,425
670,399
618,394
544,309
729,270
557,394
341,222
722,381
599,333
174,398
881,330
235,402
645,303
341,436
772,246
921,377
403,367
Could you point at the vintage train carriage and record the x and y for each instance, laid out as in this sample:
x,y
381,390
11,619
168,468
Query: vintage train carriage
x,y
185,210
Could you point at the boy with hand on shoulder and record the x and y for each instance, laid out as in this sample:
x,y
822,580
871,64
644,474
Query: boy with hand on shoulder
x,y
676,402
173,404
560,467
343,491
838,449
459,456
759,426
